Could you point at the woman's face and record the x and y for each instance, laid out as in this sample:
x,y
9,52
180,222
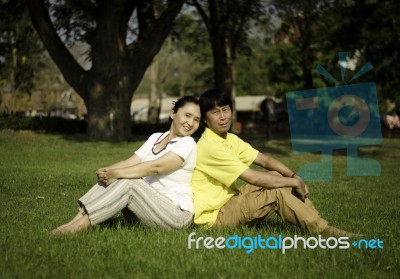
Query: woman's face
x,y
186,120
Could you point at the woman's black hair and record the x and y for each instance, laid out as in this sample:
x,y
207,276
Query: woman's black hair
x,y
181,102
212,98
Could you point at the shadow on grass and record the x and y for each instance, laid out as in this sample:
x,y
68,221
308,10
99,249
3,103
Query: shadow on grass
x,y
272,225
125,219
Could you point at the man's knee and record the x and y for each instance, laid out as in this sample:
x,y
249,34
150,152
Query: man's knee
x,y
285,193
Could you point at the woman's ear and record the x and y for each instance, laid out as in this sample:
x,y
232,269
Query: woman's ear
x,y
172,114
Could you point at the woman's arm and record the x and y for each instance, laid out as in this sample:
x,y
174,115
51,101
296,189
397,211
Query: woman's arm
x,y
133,160
165,164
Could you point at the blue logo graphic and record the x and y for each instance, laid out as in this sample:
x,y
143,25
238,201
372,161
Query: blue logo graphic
x,y
339,117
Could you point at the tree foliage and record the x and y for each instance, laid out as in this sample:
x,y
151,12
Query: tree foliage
x,y
124,36
227,24
370,31
20,51
240,46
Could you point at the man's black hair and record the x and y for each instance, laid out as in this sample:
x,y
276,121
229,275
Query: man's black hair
x,y
212,98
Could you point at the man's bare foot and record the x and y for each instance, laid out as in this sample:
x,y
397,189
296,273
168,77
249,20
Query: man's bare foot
x,y
338,232
80,224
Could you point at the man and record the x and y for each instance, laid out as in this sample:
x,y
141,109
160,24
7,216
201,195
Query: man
x,y
222,158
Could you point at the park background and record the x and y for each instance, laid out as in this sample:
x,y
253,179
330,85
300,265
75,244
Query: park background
x,y
83,82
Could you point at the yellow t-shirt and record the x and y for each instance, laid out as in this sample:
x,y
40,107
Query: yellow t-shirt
x,y
219,163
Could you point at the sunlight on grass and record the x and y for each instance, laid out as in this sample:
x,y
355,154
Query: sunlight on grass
x,y
43,175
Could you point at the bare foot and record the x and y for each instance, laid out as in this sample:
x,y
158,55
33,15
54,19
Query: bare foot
x,y
338,232
77,216
80,224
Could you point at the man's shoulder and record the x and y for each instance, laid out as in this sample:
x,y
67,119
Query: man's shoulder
x,y
235,139
233,136
208,136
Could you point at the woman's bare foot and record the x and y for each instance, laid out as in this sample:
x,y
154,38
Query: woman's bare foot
x,y
77,216
81,223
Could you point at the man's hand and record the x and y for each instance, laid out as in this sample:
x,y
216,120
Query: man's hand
x,y
301,191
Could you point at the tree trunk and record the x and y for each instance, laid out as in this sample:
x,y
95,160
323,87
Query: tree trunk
x,y
108,87
13,69
110,120
154,96
305,48
233,94
221,60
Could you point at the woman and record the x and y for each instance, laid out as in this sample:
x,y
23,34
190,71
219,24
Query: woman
x,y
154,184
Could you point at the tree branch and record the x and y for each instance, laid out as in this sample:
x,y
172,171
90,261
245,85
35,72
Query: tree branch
x,y
160,29
145,15
57,50
203,14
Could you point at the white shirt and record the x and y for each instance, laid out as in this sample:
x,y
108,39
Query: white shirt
x,y
174,185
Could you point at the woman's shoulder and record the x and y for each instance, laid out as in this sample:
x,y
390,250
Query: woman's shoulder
x,y
155,136
187,140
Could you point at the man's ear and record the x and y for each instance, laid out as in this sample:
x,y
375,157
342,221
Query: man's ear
x,y
172,114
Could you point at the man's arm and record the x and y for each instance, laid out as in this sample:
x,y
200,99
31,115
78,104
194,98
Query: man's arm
x,y
271,164
280,176
273,180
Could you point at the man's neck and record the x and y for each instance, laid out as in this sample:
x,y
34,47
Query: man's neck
x,y
222,135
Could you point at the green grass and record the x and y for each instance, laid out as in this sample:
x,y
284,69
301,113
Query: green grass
x,y
41,176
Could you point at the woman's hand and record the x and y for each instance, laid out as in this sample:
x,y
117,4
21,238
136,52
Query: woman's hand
x,y
106,176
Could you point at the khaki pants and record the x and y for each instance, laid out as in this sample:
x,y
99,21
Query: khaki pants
x,y
253,204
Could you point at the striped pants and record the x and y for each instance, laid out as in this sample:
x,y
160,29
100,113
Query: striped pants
x,y
148,205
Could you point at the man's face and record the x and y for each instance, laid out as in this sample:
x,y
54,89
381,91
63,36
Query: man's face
x,y
219,120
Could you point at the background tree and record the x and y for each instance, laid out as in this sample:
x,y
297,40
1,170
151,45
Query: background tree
x,y
20,52
370,31
49,84
227,23
193,71
119,57
299,28
180,67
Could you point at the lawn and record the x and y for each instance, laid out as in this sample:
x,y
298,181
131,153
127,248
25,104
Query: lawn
x,y
41,176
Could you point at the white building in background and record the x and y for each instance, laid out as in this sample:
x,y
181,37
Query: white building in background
x,y
248,103
140,106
